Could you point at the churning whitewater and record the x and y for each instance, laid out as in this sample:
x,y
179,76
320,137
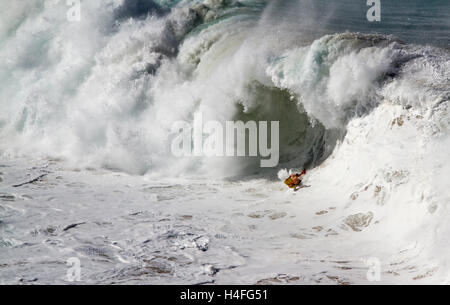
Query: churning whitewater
x,y
86,170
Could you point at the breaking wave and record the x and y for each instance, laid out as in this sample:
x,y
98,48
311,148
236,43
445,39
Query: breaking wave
x,y
105,91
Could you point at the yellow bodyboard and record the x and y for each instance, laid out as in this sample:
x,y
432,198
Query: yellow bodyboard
x,y
289,183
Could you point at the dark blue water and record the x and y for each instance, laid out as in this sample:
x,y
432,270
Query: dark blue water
x,y
413,21
418,21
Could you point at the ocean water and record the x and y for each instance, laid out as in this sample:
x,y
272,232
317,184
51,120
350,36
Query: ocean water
x,y
87,106
421,22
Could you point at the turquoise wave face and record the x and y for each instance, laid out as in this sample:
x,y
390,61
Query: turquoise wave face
x,y
416,21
